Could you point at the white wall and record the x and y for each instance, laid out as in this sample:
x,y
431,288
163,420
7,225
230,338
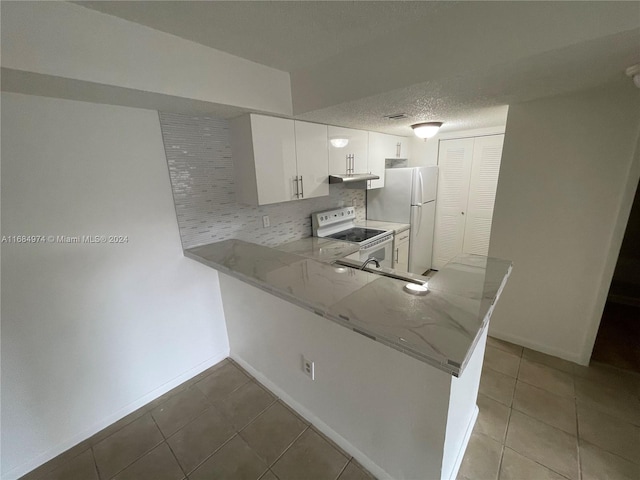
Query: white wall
x,y
394,424
70,41
566,186
92,332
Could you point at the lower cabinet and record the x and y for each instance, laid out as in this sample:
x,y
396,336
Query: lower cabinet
x,y
401,251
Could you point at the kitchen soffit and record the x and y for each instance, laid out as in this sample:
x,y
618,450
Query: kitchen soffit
x,y
351,63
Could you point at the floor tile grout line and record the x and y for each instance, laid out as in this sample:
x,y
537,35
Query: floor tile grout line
x,y
502,448
134,461
95,463
526,456
343,469
307,427
176,459
213,453
634,462
537,462
575,402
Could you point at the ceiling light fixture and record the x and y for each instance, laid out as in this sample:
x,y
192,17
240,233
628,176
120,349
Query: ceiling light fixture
x,y
426,129
339,142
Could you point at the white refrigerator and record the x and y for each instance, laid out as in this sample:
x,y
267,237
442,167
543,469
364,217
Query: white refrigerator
x,y
409,196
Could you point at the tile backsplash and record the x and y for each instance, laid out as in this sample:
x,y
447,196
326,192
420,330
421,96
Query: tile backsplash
x,y
198,151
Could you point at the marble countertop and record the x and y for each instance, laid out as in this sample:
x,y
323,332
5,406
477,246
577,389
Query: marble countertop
x,y
324,250
396,227
440,328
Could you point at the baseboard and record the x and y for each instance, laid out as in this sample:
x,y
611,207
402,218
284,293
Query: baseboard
x,y
65,445
465,442
525,342
365,461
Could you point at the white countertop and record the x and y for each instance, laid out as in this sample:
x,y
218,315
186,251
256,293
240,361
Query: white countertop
x,y
440,328
319,248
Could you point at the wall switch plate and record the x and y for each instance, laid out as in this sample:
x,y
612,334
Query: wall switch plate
x,y
265,221
308,368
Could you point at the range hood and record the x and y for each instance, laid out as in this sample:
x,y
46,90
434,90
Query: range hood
x,y
352,177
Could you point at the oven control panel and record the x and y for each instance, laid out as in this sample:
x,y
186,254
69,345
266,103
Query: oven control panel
x,y
337,216
334,216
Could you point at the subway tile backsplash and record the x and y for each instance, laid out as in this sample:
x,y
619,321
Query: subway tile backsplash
x,y
198,150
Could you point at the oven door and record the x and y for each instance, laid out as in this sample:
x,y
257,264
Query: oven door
x,y
383,252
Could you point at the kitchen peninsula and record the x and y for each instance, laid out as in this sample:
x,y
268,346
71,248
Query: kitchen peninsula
x,y
396,375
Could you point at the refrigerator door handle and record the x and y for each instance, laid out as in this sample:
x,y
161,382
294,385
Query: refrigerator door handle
x,y
419,219
421,187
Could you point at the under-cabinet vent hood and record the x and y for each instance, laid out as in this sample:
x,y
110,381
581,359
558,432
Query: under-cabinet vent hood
x,y
352,177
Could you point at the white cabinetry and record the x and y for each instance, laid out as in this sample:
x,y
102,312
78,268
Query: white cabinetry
x,y
358,146
270,154
468,178
401,251
381,147
312,155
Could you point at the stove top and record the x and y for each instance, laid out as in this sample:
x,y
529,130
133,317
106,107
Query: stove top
x,y
356,234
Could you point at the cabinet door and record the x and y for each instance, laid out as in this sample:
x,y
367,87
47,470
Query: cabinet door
x,y
401,251
454,162
399,147
379,149
401,263
274,153
357,146
487,153
312,155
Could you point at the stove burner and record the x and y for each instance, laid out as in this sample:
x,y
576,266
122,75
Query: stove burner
x,y
356,234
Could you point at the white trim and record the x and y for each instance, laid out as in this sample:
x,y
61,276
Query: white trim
x,y
463,445
478,132
365,461
613,251
65,445
574,357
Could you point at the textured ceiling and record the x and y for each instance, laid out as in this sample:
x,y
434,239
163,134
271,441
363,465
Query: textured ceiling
x,y
351,63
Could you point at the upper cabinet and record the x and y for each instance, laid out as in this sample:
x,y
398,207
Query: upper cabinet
x,y
278,160
382,147
351,158
312,154
467,182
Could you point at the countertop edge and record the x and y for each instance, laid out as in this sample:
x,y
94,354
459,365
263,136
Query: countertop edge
x,y
442,365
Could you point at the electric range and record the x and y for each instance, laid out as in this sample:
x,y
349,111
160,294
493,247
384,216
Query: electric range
x,y
340,224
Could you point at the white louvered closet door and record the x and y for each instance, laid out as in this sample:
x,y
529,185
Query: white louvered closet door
x,y
454,161
487,152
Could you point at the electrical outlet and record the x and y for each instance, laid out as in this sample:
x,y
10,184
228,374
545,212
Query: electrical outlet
x,y
308,368
265,221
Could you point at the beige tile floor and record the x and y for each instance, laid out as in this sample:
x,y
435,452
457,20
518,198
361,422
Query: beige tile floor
x,y
540,418
543,418
221,424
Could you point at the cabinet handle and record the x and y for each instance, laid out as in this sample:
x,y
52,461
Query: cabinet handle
x,y
301,187
297,194
462,213
398,148
397,254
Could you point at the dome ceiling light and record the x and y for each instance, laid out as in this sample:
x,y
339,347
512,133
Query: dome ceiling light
x,y
426,129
